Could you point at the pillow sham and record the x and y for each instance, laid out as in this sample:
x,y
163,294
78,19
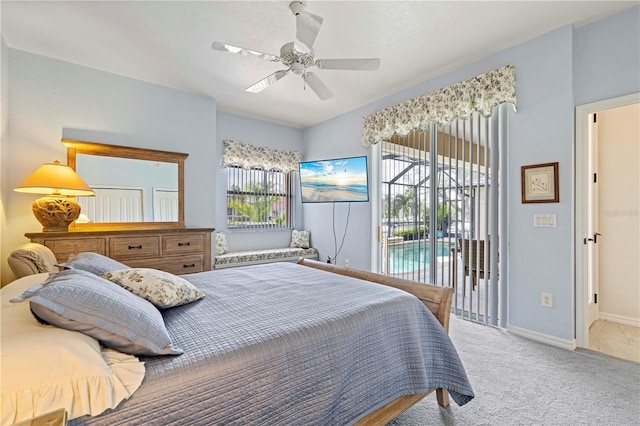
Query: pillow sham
x,y
162,289
43,367
300,239
221,243
92,262
19,286
81,301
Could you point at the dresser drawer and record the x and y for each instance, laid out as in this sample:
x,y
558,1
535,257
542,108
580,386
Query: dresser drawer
x,y
62,249
185,243
176,265
124,248
175,250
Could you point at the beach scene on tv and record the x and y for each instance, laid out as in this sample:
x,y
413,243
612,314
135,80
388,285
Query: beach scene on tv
x,y
339,180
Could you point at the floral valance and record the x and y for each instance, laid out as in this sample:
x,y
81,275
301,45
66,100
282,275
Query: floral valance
x,y
250,156
479,94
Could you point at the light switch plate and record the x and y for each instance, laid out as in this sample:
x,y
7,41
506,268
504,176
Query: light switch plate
x,y
544,220
551,220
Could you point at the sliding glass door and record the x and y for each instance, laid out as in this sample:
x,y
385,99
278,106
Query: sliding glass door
x,y
441,199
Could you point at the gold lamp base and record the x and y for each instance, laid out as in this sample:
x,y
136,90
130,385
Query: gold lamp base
x,y
55,213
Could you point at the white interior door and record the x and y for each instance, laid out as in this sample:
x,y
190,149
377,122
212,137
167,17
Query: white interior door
x,y
592,236
585,250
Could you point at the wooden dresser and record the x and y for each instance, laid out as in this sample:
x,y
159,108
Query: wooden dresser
x,y
174,250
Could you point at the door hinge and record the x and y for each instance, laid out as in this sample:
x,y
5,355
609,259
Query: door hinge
x,y
595,298
595,120
595,178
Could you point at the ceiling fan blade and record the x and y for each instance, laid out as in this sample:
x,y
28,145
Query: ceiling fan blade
x,y
267,81
318,86
307,28
223,47
365,64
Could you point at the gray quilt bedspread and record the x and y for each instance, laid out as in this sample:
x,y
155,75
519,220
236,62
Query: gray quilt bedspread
x,y
285,344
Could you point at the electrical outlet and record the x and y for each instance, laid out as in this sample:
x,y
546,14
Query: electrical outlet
x,y
547,300
346,262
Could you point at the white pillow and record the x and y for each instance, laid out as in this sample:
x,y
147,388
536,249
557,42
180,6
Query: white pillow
x,y
300,239
221,243
45,368
162,289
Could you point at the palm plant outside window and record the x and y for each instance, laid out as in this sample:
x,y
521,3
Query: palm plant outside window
x,y
445,162
437,190
258,199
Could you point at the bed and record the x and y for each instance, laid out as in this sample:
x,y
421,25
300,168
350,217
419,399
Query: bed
x,y
283,343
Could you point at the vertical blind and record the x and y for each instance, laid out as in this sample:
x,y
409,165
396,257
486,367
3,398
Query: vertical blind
x,y
258,200
259,188
443,178
443,204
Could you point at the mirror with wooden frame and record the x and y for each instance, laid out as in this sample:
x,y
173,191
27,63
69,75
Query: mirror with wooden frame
x,y
135,188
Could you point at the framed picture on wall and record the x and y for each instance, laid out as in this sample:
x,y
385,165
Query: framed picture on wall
x,y
540,183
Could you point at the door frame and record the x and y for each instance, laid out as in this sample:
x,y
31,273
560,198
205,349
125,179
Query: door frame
x,y
581,206
592,249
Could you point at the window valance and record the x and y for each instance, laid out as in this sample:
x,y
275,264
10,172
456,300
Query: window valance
x,y
250,156
479,94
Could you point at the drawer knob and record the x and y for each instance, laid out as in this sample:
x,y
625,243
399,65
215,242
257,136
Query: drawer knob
x,y
135,247
184,244
193,265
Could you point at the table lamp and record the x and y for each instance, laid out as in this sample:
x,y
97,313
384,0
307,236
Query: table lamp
x,y
56,210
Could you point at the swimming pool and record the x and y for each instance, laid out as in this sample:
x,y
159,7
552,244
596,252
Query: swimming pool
x,y
413,255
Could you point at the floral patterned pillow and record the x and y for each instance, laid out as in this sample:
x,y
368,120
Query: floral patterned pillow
x,y
221,243
162,289
300,239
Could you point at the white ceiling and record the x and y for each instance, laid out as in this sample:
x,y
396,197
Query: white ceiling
x,y
169,43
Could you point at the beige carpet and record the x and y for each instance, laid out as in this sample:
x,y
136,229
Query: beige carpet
x,y
521,382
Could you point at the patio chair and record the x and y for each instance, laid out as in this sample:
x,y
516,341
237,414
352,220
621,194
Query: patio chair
x,y
473,252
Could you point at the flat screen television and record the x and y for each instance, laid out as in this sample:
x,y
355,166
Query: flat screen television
x,y
334,181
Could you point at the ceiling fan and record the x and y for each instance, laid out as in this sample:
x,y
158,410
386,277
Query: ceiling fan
x,y
299,55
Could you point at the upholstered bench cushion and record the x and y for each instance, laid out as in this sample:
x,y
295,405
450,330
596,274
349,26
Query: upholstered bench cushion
x,y
253,257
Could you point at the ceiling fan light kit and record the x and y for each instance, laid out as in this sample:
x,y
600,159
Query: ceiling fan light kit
x,y
297,7
299,55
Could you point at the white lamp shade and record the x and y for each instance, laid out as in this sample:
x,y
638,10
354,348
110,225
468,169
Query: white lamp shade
x,y
55,179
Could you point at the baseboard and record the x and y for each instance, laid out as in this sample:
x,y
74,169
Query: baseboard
x,y
634,322
543,338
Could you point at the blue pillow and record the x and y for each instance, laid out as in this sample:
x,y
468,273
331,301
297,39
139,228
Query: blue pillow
x,y
92,262
82,301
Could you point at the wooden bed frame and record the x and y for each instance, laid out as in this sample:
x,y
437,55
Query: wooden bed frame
x,y
436,299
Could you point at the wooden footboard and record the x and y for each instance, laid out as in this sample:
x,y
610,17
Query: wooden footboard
x,y
436,299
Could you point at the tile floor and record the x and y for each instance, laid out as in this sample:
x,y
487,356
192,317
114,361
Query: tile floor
x,y
618,340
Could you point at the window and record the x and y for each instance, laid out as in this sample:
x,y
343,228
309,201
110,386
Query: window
x,y
258,199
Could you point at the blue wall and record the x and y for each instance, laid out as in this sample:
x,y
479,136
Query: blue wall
x,y
539,259
607,58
